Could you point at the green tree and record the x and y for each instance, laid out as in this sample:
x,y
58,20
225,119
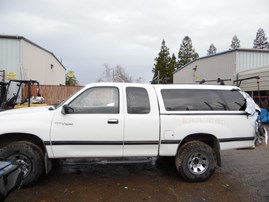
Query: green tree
x,y
70,79
260,42
235,43
186,52
172,65
212,50
164,66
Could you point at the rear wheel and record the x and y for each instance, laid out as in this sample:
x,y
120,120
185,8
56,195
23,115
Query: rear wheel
x,y
196,161
29,155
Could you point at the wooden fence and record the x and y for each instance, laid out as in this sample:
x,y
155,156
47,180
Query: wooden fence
x,y
52,94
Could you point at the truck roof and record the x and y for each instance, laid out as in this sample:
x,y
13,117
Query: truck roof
x,y
168,86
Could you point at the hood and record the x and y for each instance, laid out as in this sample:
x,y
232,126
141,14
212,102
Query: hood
x,y
33,120
26,114
27,110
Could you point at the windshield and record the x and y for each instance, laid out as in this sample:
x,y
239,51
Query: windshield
x,y
61,103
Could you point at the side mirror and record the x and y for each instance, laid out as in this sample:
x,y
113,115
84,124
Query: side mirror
x,y
65,110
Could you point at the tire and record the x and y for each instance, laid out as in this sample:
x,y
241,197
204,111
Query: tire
x,y
195,161
29,155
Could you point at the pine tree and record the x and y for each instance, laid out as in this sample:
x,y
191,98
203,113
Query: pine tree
x,y
163,67
186,52
235,43
172,65
161,63
212,50
260,42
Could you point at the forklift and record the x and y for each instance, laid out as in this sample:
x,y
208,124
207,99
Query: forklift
x,y
3,92
11,102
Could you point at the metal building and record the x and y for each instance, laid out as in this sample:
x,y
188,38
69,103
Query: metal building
x,y
248,68
22,59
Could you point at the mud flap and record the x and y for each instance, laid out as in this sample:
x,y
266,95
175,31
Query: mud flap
x,y
47,163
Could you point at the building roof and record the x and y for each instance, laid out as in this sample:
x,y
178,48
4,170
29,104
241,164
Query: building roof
x,y
27,40
225,52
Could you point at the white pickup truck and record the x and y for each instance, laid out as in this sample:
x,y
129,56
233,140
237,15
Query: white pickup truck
x,y
192,123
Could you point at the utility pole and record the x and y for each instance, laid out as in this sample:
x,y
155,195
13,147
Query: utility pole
x,y
157,77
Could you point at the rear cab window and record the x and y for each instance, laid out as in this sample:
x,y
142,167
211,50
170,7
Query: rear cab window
x,y
137,100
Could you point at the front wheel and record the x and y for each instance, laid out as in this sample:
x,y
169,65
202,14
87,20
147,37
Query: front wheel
x,y
196,161
29,156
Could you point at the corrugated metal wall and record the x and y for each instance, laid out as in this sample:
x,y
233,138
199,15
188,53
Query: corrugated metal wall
x,y
10,56
247,60
10,60
228,65
30,61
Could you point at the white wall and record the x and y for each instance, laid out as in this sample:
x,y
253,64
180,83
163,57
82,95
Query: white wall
x,y
40,65
208,68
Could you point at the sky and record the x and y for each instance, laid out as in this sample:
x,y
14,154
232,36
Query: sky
x,y
86,35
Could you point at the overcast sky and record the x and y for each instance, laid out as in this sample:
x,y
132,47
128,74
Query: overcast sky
x,y
86,34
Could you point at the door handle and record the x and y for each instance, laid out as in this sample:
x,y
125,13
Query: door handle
x,y
113,121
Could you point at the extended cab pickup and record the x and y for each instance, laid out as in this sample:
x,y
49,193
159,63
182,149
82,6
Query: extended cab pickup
x,y
192,123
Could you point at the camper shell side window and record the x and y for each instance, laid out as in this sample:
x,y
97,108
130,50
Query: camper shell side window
x,y
203,100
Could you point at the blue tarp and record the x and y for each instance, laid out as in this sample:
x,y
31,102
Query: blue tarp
x,y
264,116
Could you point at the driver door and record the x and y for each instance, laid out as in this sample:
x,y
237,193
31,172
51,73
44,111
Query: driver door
x,y
91,125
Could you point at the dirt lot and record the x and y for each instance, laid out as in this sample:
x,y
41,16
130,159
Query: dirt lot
x,y
244,176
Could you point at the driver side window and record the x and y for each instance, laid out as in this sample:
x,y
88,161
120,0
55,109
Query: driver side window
x,y
97,100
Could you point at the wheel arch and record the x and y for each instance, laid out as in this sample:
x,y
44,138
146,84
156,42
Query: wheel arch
x,y
8,138
206,138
